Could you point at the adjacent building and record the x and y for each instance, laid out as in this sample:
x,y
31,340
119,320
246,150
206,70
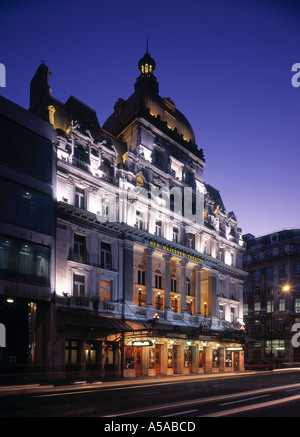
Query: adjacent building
x,y
272,295
27,240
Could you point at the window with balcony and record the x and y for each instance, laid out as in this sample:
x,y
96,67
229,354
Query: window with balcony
x,y
78,285
105,290
221,312
79,248
80,153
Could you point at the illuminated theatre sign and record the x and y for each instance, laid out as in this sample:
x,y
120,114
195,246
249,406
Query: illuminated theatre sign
x,y
180,253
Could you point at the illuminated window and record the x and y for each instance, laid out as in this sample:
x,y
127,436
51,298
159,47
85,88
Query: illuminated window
x,y
173,283
105,290
158,279
51,114
297,305
188,286
141,275
79,248
256,307
281,305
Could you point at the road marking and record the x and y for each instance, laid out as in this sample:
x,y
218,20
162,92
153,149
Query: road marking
x,y
150,393
202,400
245,400
252,407
179,414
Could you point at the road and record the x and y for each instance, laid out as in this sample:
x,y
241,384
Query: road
x,y
249,394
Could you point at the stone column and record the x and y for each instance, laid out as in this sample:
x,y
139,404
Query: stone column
x,y
183,285
167,259
198,269
128,271
149,252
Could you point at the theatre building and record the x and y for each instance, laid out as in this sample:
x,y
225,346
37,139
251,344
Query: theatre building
x,y
146,284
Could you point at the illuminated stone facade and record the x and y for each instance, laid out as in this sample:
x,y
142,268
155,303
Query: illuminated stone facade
x,y
133,269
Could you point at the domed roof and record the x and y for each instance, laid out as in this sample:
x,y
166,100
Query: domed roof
x,y
146,102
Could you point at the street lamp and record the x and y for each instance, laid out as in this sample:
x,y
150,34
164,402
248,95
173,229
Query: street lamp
x,y
205,304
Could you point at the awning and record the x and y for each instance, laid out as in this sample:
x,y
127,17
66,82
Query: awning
x,y
66,319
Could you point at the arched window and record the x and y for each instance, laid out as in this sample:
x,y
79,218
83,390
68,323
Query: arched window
x,y
80,154
188,286
141,274
158,279
106,167
173,283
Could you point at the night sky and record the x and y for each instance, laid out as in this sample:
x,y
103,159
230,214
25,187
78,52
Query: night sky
x,y
226,64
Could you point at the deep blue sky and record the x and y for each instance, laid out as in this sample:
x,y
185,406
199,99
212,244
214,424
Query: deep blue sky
x,y
225,63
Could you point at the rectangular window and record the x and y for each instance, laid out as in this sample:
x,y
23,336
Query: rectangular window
x,y
278,348
297,305
158,228
282,269
297,267
79,198
71,352
175,235
245,309
221,312
79,248
105,256
105,290
270,272
270,306
281,304
257,307
24,261
191,241
257,290
232,314
257,274
25,207
25,150
78,285
138,220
